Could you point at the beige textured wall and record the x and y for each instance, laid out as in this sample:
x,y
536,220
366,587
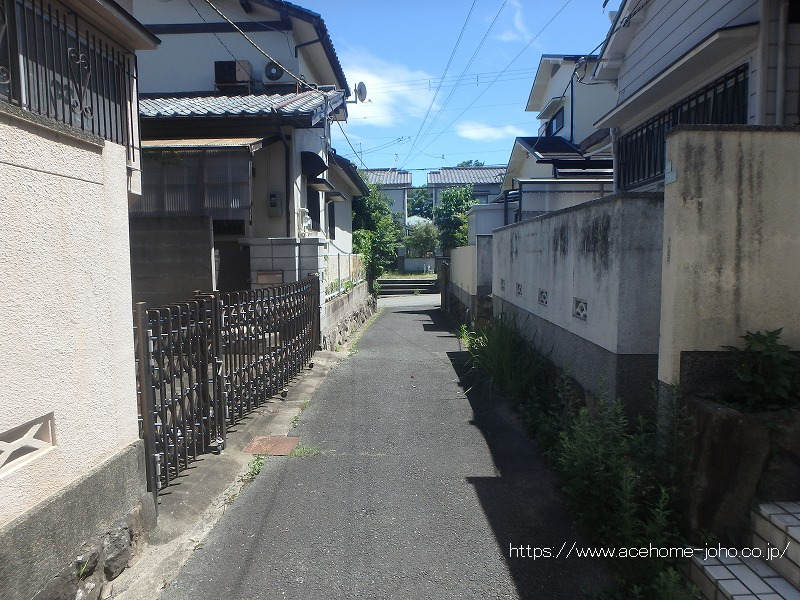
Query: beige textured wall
x,y
731,240
463,268
67,341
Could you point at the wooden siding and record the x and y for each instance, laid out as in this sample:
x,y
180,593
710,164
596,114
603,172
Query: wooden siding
x,y
672,28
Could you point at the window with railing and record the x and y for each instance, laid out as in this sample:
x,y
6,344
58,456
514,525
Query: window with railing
x,y
641,153
55,64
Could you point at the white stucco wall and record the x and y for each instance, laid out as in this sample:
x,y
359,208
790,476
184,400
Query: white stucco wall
x,y
185,62
483,218
606,253
731,222
463,268
67,342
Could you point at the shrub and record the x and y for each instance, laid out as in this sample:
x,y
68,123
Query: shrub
x,y
620,481
767,372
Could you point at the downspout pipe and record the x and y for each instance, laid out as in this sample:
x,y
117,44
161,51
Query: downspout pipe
x,y
780,83
287,179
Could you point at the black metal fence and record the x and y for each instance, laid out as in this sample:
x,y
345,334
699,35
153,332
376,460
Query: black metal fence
x,y
56,64
204,364
642,151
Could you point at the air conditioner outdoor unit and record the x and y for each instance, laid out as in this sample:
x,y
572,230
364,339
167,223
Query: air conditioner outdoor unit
x,y
232,72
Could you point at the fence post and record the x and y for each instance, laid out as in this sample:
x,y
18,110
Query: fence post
x,y
317,307
145,398
339,270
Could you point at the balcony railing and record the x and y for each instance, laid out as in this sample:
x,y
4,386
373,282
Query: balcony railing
x,y
55,64
642,151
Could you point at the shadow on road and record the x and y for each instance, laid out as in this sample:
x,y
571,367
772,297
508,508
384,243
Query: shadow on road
x,y
522,502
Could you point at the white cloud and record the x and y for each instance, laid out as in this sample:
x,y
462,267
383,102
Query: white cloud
x,y
518,31
394,91
474,130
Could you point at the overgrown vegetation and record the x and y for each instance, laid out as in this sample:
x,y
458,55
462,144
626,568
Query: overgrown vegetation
x,y
767,371
621,481
450,216
422,239
420,204
377,234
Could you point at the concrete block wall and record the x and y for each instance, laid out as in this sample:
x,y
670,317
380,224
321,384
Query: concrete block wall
x,y
731,243
68,403
583,284
171,257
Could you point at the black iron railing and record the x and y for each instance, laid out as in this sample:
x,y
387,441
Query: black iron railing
x,y
55,64
641,153
206,363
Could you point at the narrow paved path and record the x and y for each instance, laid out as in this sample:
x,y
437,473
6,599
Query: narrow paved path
x,y
418,493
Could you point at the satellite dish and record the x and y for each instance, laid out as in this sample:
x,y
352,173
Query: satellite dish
x,y
273,71
361,91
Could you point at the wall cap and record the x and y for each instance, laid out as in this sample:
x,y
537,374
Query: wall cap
x,y
50,125
736,128
611,198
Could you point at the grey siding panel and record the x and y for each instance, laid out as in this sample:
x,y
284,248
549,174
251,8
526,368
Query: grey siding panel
x,y
673,28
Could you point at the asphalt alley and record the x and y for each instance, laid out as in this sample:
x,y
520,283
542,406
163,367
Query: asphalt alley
x,y
417,491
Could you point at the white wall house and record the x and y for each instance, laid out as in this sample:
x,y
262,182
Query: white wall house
x,y
71,462
395,185
566,108
715,62
253,147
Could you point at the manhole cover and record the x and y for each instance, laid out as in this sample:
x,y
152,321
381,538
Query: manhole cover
x,y
275,445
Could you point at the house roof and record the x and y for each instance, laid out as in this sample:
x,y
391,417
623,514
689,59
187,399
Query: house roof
x,y
311,103
350,170
316,20
549,64
388,176
465,175
549,147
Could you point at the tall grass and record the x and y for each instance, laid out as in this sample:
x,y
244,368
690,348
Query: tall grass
x,y
620,480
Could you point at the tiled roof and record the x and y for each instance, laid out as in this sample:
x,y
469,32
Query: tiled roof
x,y
388,176
304,103
464,175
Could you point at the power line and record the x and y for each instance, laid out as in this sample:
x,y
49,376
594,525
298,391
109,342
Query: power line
x,y
446,68
516,56
361,160
219,39
467,65
297,78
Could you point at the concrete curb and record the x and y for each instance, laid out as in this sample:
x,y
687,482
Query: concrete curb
x,y
189,510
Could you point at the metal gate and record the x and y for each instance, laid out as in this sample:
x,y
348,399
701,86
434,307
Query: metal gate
x,y
205,363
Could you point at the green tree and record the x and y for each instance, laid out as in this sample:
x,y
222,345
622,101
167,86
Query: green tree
x,y
422,239
471,163
450,216
377,234
420,203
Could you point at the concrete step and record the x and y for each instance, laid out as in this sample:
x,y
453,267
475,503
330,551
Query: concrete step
x,y
408,282
727,578
404,292
776,525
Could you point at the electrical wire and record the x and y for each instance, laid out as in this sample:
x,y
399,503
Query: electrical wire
x,y
297,78
360,159
514,59
444,74
467,65
219,39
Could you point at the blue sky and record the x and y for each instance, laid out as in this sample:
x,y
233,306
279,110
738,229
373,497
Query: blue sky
x,y
400,51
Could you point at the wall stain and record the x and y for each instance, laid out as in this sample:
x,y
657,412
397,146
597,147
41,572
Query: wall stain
x,y
560,241
737,259
596,240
